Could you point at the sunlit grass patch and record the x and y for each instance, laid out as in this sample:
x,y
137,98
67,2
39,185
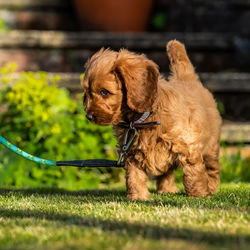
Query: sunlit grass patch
x,y
105,219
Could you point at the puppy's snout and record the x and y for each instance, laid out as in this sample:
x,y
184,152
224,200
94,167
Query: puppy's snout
x,y
90,117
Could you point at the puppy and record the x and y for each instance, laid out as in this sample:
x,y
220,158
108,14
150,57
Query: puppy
x,y
121,86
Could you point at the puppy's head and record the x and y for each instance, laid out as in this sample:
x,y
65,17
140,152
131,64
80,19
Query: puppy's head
x,y
116,84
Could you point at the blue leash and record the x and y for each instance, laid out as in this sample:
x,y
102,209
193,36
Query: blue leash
x,y
77,163
24,154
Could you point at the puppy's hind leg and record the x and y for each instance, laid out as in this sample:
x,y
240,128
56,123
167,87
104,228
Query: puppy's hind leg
x,y
195,178
211,160
180,65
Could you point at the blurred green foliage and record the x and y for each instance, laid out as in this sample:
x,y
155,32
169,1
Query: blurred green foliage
x,y
46,121
159,21
3,26
235,168
221,108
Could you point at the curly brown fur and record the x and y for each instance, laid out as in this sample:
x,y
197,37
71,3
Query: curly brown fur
x,y
120,86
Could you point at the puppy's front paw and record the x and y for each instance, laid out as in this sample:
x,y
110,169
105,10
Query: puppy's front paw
x,y
170,190
138,196
199,193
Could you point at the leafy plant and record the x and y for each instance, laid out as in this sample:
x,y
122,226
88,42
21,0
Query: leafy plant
x,y
159,21
3,26
235,168
221,108
45,121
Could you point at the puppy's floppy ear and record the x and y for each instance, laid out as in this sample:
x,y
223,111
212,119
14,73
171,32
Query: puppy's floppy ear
x,y
93,58
139,76
89,62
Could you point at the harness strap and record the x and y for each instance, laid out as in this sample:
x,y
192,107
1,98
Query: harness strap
x,y
131,134
143,118
140,123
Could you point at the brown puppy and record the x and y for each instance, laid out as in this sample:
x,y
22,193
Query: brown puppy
x,y
121,86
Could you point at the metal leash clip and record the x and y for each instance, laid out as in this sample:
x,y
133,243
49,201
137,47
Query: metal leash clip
x,y
127,143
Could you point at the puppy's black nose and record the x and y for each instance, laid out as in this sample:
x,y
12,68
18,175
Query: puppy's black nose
x,y
89,117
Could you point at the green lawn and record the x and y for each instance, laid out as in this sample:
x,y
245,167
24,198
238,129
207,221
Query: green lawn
x,y
105,219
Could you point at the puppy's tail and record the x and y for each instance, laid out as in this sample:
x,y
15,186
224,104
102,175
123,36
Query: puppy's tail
x,y
180,65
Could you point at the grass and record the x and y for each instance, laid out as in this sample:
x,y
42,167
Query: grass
x,y
105,219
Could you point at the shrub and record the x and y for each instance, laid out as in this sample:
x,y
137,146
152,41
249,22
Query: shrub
x,y
235,168
45,121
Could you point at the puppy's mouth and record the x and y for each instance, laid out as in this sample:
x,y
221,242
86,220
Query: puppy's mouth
x,y
99,120
101,123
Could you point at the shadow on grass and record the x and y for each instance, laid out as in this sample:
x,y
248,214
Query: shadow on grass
x,y
123,228
109,194
223,200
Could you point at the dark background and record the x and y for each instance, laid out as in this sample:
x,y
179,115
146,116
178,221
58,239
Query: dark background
x,y
53,36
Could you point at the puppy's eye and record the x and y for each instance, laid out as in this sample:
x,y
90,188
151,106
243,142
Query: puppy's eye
x,y
104,92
